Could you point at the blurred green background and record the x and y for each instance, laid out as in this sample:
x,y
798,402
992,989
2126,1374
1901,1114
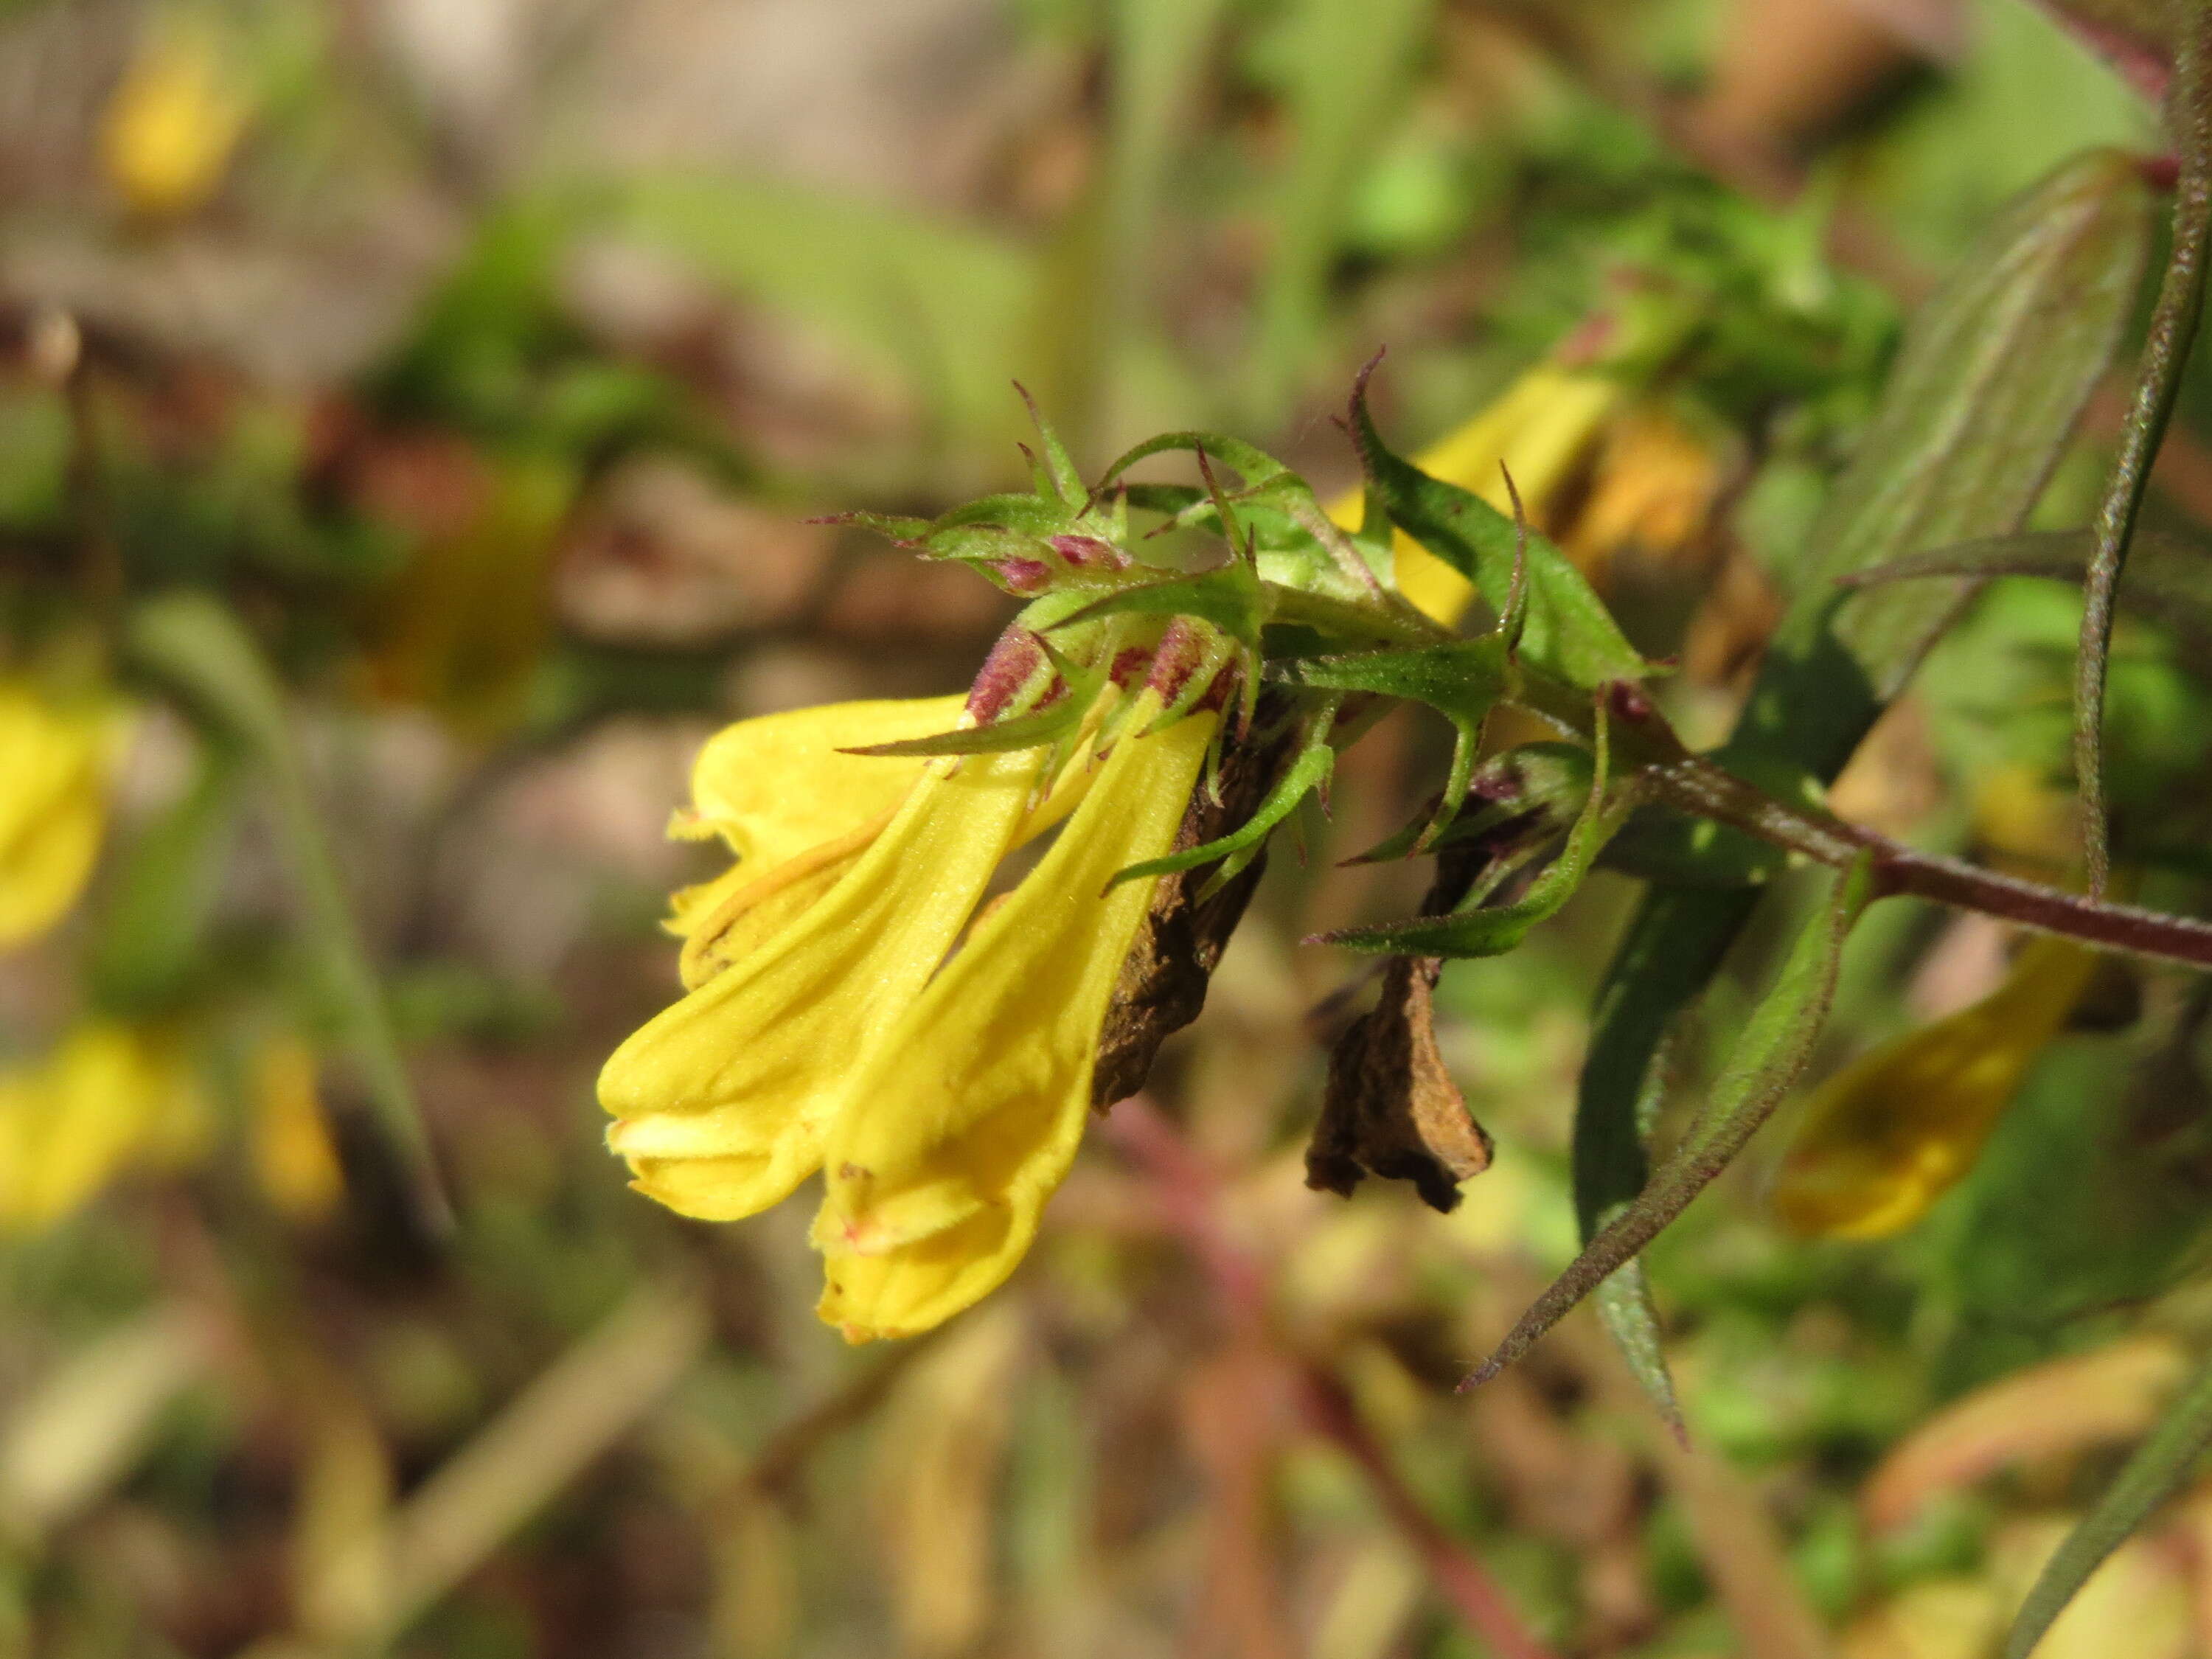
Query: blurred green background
x,y
489,358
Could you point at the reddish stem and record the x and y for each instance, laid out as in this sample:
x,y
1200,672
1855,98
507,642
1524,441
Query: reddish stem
x,y
1187,1192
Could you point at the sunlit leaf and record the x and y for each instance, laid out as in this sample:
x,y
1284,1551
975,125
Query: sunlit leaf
x,y
2159,1469
1569,633
1767,1059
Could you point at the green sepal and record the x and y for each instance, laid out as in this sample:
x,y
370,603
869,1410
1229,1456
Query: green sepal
x,y
1547,782
1310,770
1021,732
1053,470
1569,633
1463,680
1231,597
1318,556
152,934
1499,928
1027,726
893,526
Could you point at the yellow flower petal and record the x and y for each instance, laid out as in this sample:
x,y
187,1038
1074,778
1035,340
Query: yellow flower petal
x,y
287,1137
966,1115
774,786
107,1095
1892,1132
723,920
57,756
1538,429
721,1100
735,914
168,132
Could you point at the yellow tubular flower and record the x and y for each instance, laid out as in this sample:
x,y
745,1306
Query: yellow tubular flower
x,y
961,1122
795,810
1895,1130
1538,429
720,1101
57,758
109,1095
169,130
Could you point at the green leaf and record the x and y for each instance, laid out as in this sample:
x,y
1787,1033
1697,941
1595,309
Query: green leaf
x,y
1982,403
198,650
1768,1058
2159,1468
941,304
1348,61
1630,1318
153,926
1569,634
2169,576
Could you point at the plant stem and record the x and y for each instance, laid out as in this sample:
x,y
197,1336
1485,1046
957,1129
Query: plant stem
x,y
1699,786
2157,381
1186,1191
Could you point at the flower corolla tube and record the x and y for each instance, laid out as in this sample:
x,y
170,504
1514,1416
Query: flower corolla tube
x,y
824,1027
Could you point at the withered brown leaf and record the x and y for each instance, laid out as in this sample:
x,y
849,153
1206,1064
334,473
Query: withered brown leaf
x,y
1391,1109
1164,978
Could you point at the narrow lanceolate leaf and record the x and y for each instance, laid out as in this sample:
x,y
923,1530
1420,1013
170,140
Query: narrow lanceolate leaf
x,y
200,651
2157,381
2160,1468
1569,634
1983,401
1626,1306
1768,1058
1980,406
1631,1316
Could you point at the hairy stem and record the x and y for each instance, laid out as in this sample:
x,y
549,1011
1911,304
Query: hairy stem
x,y
2166,350
1698,786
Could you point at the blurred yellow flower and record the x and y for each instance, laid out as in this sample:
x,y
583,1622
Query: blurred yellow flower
x,y
1539,429
287,1137
57,755
111,1095
814,1021
108,1095
796,812
1652,485
1893,1131
171,126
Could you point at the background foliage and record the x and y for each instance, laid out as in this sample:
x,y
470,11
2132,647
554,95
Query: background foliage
x,y
459,379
